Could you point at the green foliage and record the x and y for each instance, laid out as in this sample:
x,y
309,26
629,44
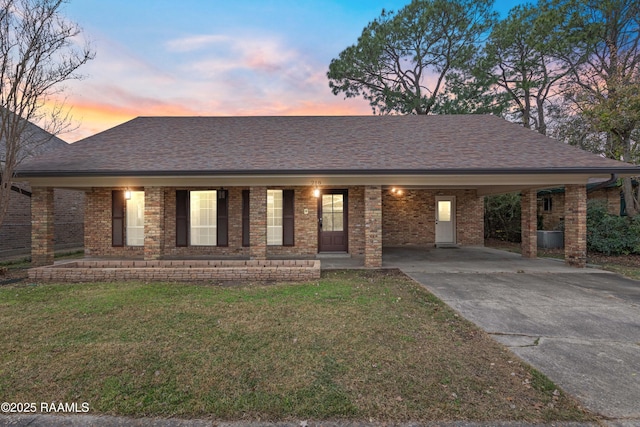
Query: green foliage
x,y
522,54
395,59
611,234
502,217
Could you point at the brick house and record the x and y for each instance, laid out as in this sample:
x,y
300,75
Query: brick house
x,y
551,202
274,187
15,231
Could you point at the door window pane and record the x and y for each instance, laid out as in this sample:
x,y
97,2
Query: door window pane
x,y
203,215
135,219
332,212
444,210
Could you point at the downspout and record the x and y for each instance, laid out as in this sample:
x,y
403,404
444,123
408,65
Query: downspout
x,y
20,190
612,180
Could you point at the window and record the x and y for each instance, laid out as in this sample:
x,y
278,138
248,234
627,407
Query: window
x,y
203,215
135,219
202,218
547,204
127,218
274,217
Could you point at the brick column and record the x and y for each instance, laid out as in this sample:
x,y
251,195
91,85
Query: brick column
x,y
373,226
153,223
575,225
258,222
41,226
529,223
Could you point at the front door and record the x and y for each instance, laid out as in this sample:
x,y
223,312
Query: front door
x,y
445,219
332,221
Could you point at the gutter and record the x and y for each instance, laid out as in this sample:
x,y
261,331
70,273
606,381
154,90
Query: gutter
x,y
316,172
612,180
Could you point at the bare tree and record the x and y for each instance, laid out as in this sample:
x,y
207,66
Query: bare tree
x,y
38,52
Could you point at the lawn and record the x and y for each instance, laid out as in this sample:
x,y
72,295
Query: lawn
x,y
358,345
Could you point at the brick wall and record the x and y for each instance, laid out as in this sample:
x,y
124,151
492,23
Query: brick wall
x,y
409,219
406,220
183,271
15,232
153,223
98,228
610,196
529,223
551,220
373,226
356,220
575,229
42,226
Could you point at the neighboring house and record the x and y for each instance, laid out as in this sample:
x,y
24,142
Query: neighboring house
x,y
270,187
551,202
15,231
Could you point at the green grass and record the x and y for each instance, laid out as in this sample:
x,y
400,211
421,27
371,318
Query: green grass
x,y
353,345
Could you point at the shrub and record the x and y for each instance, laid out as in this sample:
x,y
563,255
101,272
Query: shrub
x,y
611,234
502,217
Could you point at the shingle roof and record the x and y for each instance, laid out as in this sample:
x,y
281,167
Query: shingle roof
x,y
36,141
351,144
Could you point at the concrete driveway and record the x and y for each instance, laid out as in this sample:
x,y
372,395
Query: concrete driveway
x,y
581,327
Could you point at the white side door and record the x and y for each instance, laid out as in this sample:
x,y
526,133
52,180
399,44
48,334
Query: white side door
x,y
445,219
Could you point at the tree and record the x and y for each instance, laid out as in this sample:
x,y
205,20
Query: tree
x,y
522,54
401,60
38,52
606,87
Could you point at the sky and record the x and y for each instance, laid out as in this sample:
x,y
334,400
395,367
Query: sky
x,y
214,58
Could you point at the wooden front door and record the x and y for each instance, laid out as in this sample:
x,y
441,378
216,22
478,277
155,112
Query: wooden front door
x,y
332,221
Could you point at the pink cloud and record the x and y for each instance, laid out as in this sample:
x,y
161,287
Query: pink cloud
x,y
204,75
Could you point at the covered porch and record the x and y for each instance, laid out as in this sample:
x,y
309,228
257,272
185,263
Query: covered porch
x,y
380,217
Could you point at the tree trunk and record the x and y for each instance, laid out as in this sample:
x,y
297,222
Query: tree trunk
x,y
631,203
629,199
542,124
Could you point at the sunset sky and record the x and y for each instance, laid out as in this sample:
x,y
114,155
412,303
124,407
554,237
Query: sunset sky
x,y
199,57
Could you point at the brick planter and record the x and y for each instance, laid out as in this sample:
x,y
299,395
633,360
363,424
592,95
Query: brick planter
x,y
178,271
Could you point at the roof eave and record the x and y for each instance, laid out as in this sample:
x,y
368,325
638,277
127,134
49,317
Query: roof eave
x,y
630,170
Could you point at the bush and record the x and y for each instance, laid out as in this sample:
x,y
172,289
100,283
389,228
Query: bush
x,y
611,234
502,217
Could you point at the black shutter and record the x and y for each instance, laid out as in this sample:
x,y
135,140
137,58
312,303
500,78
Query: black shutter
x,y
222,224
182,218
117,218
246,241
287,217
